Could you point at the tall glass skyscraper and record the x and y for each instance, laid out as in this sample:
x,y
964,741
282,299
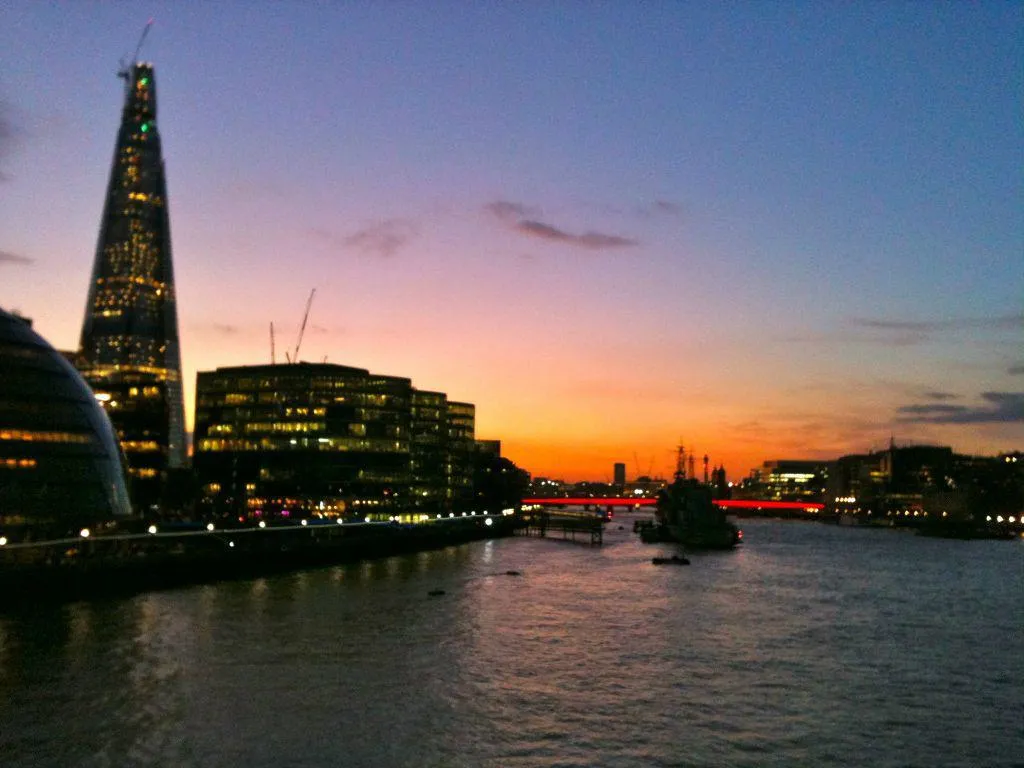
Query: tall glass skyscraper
x,y
129,348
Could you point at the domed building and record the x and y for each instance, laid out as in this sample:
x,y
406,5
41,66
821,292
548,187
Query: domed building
x,y
60,464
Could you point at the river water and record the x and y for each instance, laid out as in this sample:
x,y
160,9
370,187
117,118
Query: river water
x,y
811,645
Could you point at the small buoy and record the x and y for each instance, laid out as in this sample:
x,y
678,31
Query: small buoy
x,y
435,592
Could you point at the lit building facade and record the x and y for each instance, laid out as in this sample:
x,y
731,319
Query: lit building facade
x,y
429,458
129,345
309,439
789,480
489,447
461,449
894,482
60,467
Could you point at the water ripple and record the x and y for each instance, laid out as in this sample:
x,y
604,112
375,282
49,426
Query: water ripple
x,y
812,646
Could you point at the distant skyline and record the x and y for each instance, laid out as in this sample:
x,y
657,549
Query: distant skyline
x,y
762,230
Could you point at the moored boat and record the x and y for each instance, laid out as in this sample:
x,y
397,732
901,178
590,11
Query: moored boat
x,y
686,513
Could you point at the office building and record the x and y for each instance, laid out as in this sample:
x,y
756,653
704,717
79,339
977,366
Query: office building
x,y
461,448
326,440
129,344
60,467
619,474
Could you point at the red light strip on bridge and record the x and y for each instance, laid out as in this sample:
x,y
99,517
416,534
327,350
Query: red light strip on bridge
x,y
755,504
646,502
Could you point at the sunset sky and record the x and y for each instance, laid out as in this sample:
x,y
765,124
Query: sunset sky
x,y
766,230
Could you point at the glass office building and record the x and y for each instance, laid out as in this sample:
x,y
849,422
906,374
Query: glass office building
x,y
60,467
325,440
129,345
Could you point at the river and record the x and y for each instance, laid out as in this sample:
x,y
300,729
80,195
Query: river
x,y
810,645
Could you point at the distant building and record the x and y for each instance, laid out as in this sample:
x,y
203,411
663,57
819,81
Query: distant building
x,y
489,447
788,480
429,449
461,447
129,344
720,483
328,440
892,482
60,467
544,488
619,474
644,487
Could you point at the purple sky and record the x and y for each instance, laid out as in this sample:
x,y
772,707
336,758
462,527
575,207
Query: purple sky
x,y
769,230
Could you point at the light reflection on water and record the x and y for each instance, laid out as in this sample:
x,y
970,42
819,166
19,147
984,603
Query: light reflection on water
x,y
811,646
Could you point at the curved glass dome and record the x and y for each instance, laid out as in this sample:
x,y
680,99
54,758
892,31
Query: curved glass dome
x,y
60,464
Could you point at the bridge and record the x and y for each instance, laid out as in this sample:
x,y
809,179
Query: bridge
x,y
752,505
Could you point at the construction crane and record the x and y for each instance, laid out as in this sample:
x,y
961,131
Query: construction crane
x,y
302,330
125,71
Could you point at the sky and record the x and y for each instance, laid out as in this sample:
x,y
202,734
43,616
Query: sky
x,y
760,230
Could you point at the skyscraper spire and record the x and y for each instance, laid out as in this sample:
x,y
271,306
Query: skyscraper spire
x,y
129,345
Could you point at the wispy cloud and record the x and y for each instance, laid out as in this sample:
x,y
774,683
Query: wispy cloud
x,y
1016,370
523,219
902,339
383,239
998,408
660,209
7,257
997,322
941,396
908,333
595,240
7,132
510,212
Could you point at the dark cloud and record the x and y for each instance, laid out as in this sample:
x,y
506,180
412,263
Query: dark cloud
x,y
908,333
598,240
6,257
8,135
382,239
1016,370
999,408
659,209
664,206
941,396
902,339
541,230
510,212
519,218
1011,321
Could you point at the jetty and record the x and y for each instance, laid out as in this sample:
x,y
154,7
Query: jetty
x,y
585,527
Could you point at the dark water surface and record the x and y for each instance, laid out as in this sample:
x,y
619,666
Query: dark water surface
x,y
813,645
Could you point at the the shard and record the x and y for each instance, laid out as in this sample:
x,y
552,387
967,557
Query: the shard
x,y
129,347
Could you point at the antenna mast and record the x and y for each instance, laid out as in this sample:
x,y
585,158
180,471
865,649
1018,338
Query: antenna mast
x,y
273,359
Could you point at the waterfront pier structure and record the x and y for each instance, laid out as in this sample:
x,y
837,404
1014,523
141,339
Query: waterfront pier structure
x,y
129,344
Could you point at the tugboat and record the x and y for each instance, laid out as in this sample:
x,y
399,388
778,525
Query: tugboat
x,y
686,513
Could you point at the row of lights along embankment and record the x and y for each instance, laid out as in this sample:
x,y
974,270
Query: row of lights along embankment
x,y
153,530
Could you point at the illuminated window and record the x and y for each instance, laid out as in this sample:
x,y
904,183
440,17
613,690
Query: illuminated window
x,y
17,463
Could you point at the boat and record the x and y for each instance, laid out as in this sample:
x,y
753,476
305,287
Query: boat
x,y
674,560
686,513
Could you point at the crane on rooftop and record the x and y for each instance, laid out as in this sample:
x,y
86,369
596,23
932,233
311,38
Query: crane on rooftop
x,y
125,70
294,358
